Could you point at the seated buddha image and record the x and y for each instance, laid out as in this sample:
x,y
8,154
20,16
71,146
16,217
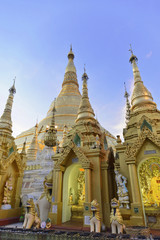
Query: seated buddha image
x,y
154,192
71,196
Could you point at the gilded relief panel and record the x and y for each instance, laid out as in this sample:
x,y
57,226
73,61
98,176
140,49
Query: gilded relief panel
x,y
149,177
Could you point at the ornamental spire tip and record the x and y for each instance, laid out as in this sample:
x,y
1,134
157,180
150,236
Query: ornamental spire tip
x,y
133,57
131,49
12,90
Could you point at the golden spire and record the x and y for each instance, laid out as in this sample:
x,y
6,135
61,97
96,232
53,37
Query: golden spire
x,y
50,135
128,107
141,97
85,109
70,73
70,67
5,120
33,148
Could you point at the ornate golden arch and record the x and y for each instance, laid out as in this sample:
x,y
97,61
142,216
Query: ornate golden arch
x,y
14,156
78,152
132,151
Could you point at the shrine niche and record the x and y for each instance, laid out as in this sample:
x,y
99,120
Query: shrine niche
x,y
149,177
11,181
73,192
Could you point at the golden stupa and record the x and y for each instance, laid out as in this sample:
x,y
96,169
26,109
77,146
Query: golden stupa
x,y
66,105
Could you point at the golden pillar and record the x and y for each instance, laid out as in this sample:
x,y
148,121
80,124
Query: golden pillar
x,y
58,193
56,207
137,217
88,185
134,183
105,194
88,193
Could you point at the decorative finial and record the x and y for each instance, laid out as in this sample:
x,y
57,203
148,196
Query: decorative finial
x,y
54,107
128,107
12,90
85,76
126,94
36,126
118,139
133,57
131,49
70,54
24,146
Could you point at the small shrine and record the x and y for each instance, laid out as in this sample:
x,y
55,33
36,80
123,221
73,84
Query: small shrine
x,y
12,165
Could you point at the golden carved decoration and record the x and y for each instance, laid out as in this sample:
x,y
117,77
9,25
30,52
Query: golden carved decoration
x,y
81,187
8,190
70,77
149,175
150,121
132,150
78,152
34,166
14,156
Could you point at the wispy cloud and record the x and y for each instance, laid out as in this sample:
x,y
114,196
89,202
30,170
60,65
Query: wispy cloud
x,y
148,55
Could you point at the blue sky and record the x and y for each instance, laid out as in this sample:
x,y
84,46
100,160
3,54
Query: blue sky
x,y
35,37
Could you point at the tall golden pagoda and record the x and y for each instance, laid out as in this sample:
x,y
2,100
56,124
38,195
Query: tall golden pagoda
x,y
12,165
66,105
83,170
139,155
